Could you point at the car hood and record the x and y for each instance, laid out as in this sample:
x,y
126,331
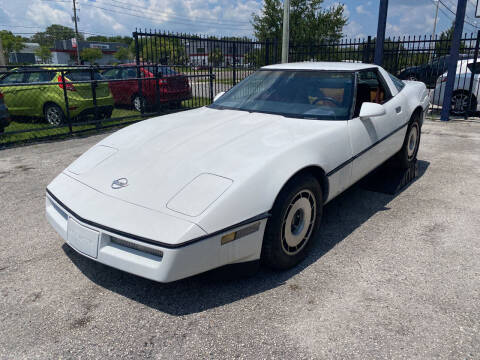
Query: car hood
x,y
156,159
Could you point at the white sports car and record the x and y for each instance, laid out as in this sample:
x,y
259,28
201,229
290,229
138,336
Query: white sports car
x,y
241,180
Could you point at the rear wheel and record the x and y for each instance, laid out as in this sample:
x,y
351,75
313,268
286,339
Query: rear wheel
x,y
139,103
54,114
294,223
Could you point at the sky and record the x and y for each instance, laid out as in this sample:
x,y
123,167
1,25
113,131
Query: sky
x,y
217,17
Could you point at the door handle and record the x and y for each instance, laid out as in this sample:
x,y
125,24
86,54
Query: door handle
x,y
398,109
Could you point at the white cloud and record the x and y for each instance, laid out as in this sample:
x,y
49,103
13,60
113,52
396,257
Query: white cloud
x,y
361,9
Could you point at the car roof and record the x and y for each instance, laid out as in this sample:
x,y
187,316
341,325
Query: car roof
x,y
321,65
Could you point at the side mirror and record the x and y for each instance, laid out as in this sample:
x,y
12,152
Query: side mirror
x,y
219,95
369,110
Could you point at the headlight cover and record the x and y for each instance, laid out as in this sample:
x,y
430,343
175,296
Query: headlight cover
x,y
197,196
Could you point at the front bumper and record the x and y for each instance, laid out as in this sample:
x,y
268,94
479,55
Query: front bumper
x,y
143,257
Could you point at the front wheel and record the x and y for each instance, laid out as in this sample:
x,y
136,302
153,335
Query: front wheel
x,y
295,220
462,101
54,114
408,153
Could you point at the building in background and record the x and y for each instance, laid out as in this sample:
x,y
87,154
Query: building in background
x,y
26,55
200,51
64,52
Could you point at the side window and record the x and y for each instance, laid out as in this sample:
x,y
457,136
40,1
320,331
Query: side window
x,y
370,88
15,78
130,74
112,74
41,76
474,69
399,84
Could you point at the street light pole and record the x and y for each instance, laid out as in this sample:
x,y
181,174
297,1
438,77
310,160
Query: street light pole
x,y
286,30
76,31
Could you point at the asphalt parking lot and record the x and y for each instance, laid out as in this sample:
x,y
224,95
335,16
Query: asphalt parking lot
x,y
394,277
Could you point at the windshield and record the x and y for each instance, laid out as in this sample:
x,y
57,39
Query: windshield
x,y
301,94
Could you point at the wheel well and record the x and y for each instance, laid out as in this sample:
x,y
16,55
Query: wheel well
x,y
463,91
418,111
48,103
318,174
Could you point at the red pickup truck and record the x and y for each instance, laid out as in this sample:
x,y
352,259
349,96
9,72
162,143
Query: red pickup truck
x,y
173,87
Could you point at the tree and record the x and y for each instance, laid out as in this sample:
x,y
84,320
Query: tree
x,y
52,33
215,57
11,42
444,42
118,39
122,54
43,52
91,55
168,51
309,23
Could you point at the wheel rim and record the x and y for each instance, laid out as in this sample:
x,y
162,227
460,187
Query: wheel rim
x,y
298,222
412,141
54,116
459,102
137,103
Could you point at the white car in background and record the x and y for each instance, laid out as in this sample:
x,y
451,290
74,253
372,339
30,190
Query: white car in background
x,y
243,179
462,99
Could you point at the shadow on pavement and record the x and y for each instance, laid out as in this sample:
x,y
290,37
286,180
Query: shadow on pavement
x,y
212,289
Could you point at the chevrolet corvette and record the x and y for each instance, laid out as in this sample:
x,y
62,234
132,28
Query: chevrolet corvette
x,y
241,180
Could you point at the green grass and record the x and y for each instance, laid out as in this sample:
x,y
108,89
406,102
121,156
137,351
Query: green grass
x,y
40,129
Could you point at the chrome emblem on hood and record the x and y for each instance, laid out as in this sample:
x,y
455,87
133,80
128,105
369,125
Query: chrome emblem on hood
x,y
119,183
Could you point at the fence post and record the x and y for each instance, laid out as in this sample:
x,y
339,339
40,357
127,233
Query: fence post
x,y
93,84
452,61
267,50
137,61
366,51
382,24
234,63
158,76
472,75
210,78
65,95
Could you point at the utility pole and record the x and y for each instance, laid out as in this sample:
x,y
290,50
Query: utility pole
x,y
286,30
434,29
76,31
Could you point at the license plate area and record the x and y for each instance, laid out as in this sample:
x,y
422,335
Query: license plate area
x,y
82,238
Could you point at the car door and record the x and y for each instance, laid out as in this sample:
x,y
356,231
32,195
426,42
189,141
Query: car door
x,y
10,92
375,139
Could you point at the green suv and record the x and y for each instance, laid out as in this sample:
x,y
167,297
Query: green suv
x,y
45,96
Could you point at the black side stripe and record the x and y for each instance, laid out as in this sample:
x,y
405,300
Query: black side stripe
x,y
150,241
342,165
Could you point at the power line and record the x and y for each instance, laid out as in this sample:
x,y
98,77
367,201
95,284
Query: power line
x,y
453,12
181,20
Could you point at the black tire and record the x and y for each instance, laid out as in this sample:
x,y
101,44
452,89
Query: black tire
x,y
461,102
408,153
139,102
108,114
53,114
291,220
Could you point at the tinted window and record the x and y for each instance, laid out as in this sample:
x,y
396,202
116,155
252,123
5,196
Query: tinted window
x,y
112,74
301,94
378,91
42,76
83,75
166,71
129,73
14,78
399,84
474,69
